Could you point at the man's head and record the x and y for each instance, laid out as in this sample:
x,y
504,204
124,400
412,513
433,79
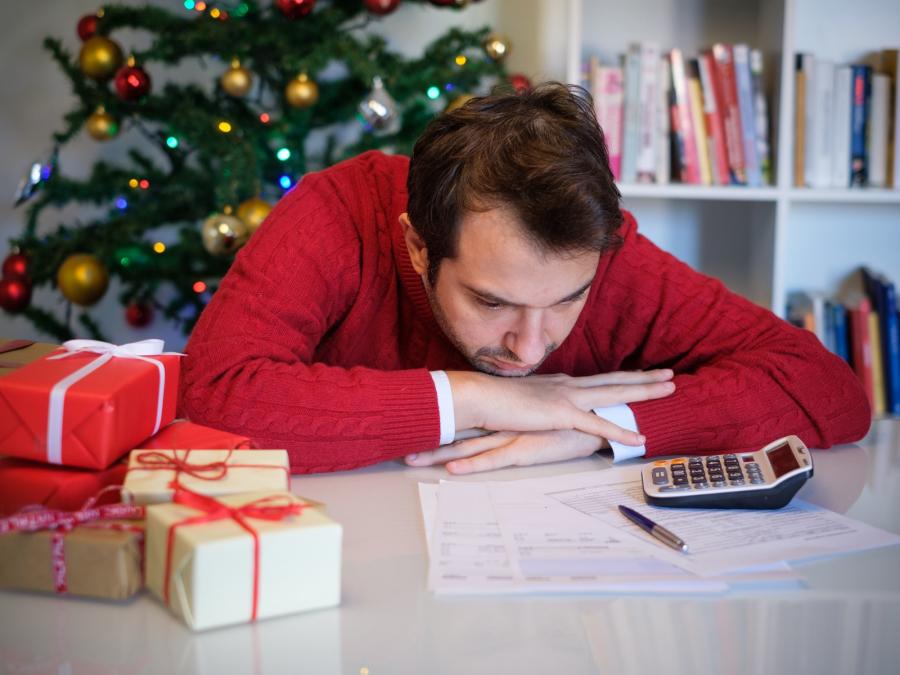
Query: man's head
x,y
511,203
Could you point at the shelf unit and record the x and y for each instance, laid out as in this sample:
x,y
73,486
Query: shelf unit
x,y
762,242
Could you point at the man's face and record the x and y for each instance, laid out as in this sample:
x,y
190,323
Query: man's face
x,y
504,303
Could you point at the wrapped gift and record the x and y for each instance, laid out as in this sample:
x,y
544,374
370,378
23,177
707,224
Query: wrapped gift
x,y
154,474
16,353
239,558
184,434
89,403
24,483
96,552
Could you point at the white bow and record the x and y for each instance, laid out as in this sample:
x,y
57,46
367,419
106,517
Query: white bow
x,y
132,350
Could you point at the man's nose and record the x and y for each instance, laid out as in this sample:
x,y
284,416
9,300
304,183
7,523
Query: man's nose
x,y
527,339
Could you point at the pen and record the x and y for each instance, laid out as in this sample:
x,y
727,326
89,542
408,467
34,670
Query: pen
x,y
658,531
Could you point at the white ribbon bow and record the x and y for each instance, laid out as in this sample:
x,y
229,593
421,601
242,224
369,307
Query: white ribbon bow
x,y
107,351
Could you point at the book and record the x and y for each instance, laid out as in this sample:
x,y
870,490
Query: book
x,y
859,119
841,331
744,79
607,90
761,117
878,399
877,136
682,125
697,119
715,128
891,346
820,138
803,65
647,115
861,345
631,118
890,66
843,102
730,110
663,126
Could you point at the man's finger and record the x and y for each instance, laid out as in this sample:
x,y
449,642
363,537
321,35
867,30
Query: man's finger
x,y
624,377
599,397
497,458
595,425
466,448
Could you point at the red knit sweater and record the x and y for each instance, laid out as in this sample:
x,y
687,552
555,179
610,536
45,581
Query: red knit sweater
x,y
320,340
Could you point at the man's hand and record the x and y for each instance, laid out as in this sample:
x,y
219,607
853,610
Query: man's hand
x,y
553,402
507,448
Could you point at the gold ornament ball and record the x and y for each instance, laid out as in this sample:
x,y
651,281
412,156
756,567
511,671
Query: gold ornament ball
x,y
237,80
458,102
223,234
82,279
100,58
497,46
253,212
101,125
301,92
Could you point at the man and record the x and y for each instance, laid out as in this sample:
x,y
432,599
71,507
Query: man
x,y
493,282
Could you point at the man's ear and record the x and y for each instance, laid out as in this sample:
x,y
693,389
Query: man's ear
x,y
415,245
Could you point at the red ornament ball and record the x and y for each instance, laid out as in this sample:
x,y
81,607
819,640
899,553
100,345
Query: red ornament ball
x,y
138,314
132,83
520,83
381,7
87,26
15,294
294,9
16,266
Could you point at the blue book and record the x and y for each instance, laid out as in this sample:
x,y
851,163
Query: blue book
x,y
890,346
744,80
860,91
841,332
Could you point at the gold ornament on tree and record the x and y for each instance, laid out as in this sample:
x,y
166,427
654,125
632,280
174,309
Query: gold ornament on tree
x,y
82,279
237,80
301,92
100,58
101,125
253,212
497,46
223,233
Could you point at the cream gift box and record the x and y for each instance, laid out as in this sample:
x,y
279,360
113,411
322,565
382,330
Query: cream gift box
x,y
238,558
152,473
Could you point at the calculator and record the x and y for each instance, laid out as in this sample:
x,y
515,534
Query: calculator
x,y
765,479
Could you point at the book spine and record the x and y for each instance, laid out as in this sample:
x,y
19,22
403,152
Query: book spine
x,y
761,118
688,160
840,165
745,101
799,123
663,128
821,136
649,100
878,130
608,100
697,120
809,118
715,128
879,406
731,113
862,348
841,333
890,60
632,116
891,347
859,121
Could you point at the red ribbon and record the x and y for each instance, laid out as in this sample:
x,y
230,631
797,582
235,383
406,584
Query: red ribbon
x,y
273,508
31,519
156,460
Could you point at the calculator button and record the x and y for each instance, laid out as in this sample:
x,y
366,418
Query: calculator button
x,y
660,476
738,481
674,488
718,483
756,480
680,480
701,485
716,476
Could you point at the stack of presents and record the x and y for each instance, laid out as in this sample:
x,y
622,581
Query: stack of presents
x,y
102,493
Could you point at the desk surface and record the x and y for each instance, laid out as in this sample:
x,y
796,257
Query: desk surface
x,y
846,621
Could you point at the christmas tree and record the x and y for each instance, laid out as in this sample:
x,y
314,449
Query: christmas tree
x,y
289,82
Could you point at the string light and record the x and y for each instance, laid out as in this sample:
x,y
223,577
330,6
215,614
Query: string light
x,y
172,142
125,261
285,182
242,9
264,118
224,127
144,184
159,247
215,12
283,154
199,287
189,4
461,60
200,6
133,183
433,92
121,203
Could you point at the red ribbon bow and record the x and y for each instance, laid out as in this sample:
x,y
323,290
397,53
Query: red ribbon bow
x,y
273,508
159,461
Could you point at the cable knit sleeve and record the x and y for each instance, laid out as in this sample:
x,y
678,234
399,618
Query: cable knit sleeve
x,y
251,364
744,377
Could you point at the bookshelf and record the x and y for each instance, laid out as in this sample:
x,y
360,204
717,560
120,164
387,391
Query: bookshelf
x,y
762,242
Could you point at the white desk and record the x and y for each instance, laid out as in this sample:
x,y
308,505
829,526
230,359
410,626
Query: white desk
x,y
847,622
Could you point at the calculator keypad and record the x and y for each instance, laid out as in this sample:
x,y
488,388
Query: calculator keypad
x,y
699,473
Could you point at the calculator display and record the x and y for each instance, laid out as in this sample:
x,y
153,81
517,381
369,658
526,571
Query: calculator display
x,y
782,459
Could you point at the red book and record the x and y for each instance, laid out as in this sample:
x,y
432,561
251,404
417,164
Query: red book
x,y
861,347
730,110
715,127
688,162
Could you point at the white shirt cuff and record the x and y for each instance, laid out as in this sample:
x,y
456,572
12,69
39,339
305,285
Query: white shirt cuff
x,y
622,415
445,406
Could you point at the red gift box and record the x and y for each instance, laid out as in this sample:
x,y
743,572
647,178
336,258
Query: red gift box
x,y
23,483
89,403
184,435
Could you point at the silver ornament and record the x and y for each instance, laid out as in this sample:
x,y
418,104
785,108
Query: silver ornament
x,y
39,172
379,109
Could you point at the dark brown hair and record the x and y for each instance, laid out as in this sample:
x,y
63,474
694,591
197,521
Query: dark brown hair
x,y
540,153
